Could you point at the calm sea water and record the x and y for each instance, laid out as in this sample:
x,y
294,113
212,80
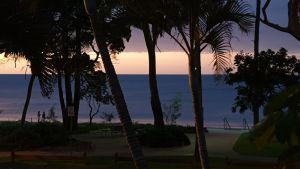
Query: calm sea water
x,y
217,97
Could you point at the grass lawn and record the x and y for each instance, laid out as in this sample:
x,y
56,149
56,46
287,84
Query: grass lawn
x,y
183,162
243,146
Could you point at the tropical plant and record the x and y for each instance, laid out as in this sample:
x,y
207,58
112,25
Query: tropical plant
x,y
105,39
94,91
259,78
51,114
141,16
107,116
281,122
26,37
199,24
72,33
172,110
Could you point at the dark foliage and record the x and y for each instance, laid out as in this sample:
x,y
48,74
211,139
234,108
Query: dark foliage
x,y
170,136
14,137
257,79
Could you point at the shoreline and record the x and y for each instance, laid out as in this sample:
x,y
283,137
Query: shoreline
x,y
217,127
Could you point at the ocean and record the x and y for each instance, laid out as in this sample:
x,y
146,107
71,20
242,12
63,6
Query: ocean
x,y
217,100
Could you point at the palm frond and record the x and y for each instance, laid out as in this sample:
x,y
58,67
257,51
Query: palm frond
x,y
238,12
44,70
219,40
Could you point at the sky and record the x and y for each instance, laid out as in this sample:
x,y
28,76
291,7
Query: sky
x,y
171,59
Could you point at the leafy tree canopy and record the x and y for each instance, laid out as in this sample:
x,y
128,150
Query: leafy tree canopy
x,y
257,79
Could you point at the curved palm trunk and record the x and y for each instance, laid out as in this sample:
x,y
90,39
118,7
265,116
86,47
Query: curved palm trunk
x,y
97,25
29,91
155,100
196,89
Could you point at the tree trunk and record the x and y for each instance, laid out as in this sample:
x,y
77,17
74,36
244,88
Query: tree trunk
x,y
155,100
256,54
256,34
76,100
255,115
195,81
196,150
90,114
66,68
62,100
98,27
69,98
29,91
77,73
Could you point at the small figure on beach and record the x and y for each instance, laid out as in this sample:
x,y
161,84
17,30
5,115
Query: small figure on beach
x,y
43,116
39,116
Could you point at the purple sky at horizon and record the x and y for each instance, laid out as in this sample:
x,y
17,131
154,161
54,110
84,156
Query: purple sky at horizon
x,y
269,37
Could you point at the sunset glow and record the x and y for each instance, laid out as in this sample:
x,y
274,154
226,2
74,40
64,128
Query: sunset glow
x,y
129,63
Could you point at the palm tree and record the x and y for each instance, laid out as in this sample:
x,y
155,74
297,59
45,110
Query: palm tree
x,y
98,24
41,69
26,37
200,24
151,42
141,16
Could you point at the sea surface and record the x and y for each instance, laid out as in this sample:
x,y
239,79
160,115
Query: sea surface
x,y
217,99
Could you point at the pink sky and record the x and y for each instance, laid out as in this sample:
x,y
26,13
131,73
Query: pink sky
x,y
131,63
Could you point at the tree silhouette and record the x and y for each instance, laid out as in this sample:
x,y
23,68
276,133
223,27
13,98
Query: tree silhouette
x,y
142,15
26,35
104,38
259,78
199,24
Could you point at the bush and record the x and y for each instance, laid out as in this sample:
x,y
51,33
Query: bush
x,y
170,136
22,138
7,127
32,135
51,133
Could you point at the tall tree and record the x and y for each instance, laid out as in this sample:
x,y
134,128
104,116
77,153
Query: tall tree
x,y
27,36
272,72
98,22
151,41
94,90
72,34
256,54
142,15
201,24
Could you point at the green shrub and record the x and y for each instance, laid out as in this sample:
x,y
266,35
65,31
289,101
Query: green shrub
x,y
32,135
7,127
51,133
22,138
170,136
